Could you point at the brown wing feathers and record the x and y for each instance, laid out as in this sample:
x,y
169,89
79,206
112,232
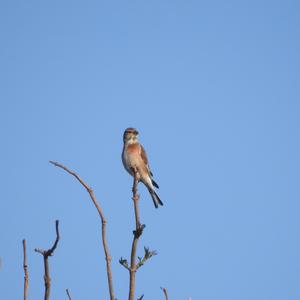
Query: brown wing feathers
x,y
145,159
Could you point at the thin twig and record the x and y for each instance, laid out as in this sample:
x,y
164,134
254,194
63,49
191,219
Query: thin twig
x,y
148,254
46,254
136,235
124,263
68,293
165,293
103,222
25,267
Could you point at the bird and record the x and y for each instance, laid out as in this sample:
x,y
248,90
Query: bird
x,y
135,159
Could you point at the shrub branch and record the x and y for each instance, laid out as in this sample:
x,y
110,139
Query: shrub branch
x,y
25,267
46,254
103,222
136,235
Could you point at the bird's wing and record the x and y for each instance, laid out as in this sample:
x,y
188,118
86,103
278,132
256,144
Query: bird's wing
x,y
145,159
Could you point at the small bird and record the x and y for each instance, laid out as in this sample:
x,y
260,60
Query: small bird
x,y
134,157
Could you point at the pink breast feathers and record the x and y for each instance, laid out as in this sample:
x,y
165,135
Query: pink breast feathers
x,y
133,149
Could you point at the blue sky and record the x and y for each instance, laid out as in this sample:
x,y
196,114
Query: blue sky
x,y
212,86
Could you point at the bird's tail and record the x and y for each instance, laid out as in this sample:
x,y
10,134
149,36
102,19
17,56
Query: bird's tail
x,y
155,198
154,183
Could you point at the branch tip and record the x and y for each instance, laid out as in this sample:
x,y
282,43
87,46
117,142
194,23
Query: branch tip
x,y
46,254
103,221
165,293
68,294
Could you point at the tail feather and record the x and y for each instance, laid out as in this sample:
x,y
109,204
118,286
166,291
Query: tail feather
x,y
154,183
155,198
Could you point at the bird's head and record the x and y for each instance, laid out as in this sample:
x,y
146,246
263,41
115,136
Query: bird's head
x,y
130,135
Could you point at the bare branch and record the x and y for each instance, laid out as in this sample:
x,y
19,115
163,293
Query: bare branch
x,y
50,251
165,293
140,298
25,267
46,254
68,294
103,222
136,235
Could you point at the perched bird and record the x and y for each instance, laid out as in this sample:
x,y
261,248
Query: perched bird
x,y
134,157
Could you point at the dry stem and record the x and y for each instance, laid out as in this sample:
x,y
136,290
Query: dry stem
x,y
103,221
25,267
136,235
46,254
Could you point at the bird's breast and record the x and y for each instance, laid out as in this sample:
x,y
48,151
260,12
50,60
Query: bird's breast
x,y
131,157
133,149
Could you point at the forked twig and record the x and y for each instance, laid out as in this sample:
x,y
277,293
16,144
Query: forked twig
x,y
148,254
46,254
103,222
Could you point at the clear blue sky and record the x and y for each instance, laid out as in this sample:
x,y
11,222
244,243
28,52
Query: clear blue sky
x,y
212,86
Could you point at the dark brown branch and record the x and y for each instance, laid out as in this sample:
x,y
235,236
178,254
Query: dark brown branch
x,y
25,267
46,254
103,222
68,294
136,235
165,293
